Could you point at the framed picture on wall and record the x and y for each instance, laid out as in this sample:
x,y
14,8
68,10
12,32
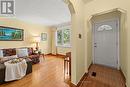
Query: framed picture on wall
x,y
43,36
11,34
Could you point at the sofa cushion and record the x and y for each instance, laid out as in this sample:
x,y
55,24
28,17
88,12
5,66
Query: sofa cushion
x,y
4,59
3,67
22,52
11,57
9,52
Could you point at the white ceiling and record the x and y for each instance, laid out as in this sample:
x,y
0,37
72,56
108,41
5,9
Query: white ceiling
x,y
47,12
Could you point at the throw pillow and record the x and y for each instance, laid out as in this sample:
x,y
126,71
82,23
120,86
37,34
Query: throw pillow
x,y
11,57
1,53
23,52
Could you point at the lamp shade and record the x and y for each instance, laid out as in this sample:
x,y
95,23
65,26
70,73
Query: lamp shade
x,y
37,39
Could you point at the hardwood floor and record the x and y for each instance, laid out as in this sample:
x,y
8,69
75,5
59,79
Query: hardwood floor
x,y
48,73
105,77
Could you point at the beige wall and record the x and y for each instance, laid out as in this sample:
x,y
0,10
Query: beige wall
x,y
53,30
78,49
30,30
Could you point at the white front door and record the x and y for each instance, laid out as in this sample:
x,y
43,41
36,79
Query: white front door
x,y
106,43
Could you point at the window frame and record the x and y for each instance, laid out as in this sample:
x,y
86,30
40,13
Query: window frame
x,y
62,29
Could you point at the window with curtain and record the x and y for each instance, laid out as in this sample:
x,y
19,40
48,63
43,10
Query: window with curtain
x,y
63,37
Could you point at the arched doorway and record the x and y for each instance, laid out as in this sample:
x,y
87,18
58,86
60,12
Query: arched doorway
x,y
121,14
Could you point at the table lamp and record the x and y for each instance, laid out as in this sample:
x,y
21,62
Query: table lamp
x,y
37,40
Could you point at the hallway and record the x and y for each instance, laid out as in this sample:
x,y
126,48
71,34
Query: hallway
x,y
104,77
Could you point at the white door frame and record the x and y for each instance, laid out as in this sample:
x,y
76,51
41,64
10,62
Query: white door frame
x,y
118,43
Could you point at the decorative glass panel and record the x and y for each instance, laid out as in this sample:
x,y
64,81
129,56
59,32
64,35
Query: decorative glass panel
x,y
104,27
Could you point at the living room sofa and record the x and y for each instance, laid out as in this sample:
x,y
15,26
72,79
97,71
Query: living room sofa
x,y
13,51
2,70
32,58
